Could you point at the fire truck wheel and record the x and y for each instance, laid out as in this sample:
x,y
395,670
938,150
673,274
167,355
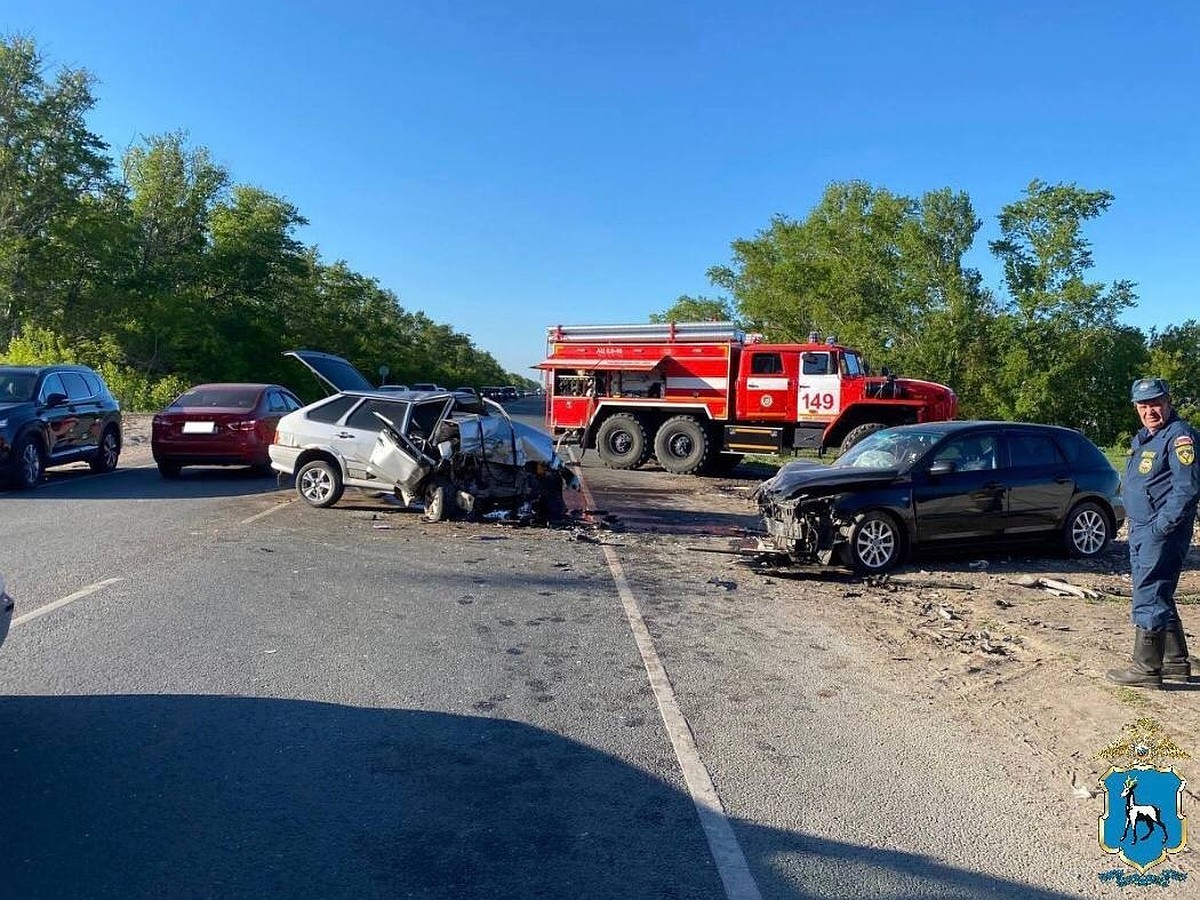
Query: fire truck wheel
x,y
854,435
682,445
621,442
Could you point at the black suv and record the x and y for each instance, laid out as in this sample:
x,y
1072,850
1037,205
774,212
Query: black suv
x,y
54,415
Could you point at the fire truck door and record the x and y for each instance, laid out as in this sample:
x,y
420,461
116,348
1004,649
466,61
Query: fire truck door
x,y
819,388
770,385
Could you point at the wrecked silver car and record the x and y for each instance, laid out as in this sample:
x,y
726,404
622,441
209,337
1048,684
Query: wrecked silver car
x,y
945,484
453,453
473,464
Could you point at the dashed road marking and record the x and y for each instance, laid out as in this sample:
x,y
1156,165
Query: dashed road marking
x,y
58,604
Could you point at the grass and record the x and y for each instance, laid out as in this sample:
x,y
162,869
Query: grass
x,y
1133,697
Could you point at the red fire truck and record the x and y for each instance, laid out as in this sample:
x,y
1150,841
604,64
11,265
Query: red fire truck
x,y
698,395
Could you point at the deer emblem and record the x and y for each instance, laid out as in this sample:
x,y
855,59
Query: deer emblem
x,y
1137,813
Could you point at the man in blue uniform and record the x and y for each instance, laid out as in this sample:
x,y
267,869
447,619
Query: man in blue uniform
x,y
1161,487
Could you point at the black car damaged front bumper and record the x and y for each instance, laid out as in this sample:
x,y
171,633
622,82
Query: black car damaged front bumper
x,y
807,530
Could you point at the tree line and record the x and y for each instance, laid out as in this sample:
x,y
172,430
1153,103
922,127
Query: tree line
x,y
160,271
885,273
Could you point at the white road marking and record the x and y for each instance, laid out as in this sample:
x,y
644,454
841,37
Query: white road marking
x,y
722,843
267,512
70,598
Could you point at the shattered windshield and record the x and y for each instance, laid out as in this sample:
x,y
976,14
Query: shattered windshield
x,y
888,449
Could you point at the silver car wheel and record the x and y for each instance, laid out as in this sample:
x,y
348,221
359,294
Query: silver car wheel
x,y
316,485
875,544
319,483
1089,532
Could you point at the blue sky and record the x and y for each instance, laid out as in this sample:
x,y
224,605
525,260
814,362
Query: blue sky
x,y
506,166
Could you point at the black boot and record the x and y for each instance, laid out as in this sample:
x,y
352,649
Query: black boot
x,y
1146,669
1176,665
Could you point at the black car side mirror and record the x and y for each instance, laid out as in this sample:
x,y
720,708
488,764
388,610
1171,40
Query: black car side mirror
x,y
943,467
56,399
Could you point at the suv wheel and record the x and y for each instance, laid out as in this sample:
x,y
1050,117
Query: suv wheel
x,y
28,464
107,453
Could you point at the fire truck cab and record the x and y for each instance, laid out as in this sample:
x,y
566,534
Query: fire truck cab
x,y
700,395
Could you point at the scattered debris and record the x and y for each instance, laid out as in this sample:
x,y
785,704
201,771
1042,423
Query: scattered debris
x,y
727,585
979,564
1056,587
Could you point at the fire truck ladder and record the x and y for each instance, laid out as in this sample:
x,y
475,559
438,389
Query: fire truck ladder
x,y
666,332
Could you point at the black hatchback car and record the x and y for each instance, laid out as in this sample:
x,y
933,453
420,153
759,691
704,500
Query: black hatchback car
x,y
944,484
54,415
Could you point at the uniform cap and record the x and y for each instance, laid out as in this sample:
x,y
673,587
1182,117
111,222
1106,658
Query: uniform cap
x,y
1148,388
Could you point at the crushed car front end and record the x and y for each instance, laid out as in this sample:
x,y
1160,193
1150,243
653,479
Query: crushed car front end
x,y
809,509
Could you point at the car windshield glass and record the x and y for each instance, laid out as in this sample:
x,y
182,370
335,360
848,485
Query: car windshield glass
x,y
16,386
887,449
231,397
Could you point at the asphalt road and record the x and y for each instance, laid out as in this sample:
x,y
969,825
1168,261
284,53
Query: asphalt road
x,y
209,689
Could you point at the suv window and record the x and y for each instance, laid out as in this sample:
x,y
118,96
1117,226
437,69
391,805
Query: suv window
x,y
333,410
363,417
16,386
96,385
77,388
51,385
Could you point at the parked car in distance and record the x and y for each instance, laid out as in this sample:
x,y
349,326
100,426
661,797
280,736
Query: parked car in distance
x,y
394,387
945,484
54,415
427,386
227,424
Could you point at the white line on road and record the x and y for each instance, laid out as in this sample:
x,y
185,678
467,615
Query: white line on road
x,y
722,843
266,512
70,598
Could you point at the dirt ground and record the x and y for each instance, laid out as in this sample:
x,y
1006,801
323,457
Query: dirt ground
x,y
979,636
1009,658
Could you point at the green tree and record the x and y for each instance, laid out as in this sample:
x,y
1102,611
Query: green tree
x,y
1173,355
1062,355
882,271
169,323
696,309
51,168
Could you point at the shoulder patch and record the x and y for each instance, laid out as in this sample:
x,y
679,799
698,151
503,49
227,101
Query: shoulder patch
x,y
1184,440
1185,452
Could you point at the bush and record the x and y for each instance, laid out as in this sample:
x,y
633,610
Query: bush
x,y
134,391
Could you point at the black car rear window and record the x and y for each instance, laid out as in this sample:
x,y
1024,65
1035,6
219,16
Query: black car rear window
x,y
235,397
333,410
1080,451
1028,449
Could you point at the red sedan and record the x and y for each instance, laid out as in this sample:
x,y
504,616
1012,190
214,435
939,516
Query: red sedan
x,y
220,425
